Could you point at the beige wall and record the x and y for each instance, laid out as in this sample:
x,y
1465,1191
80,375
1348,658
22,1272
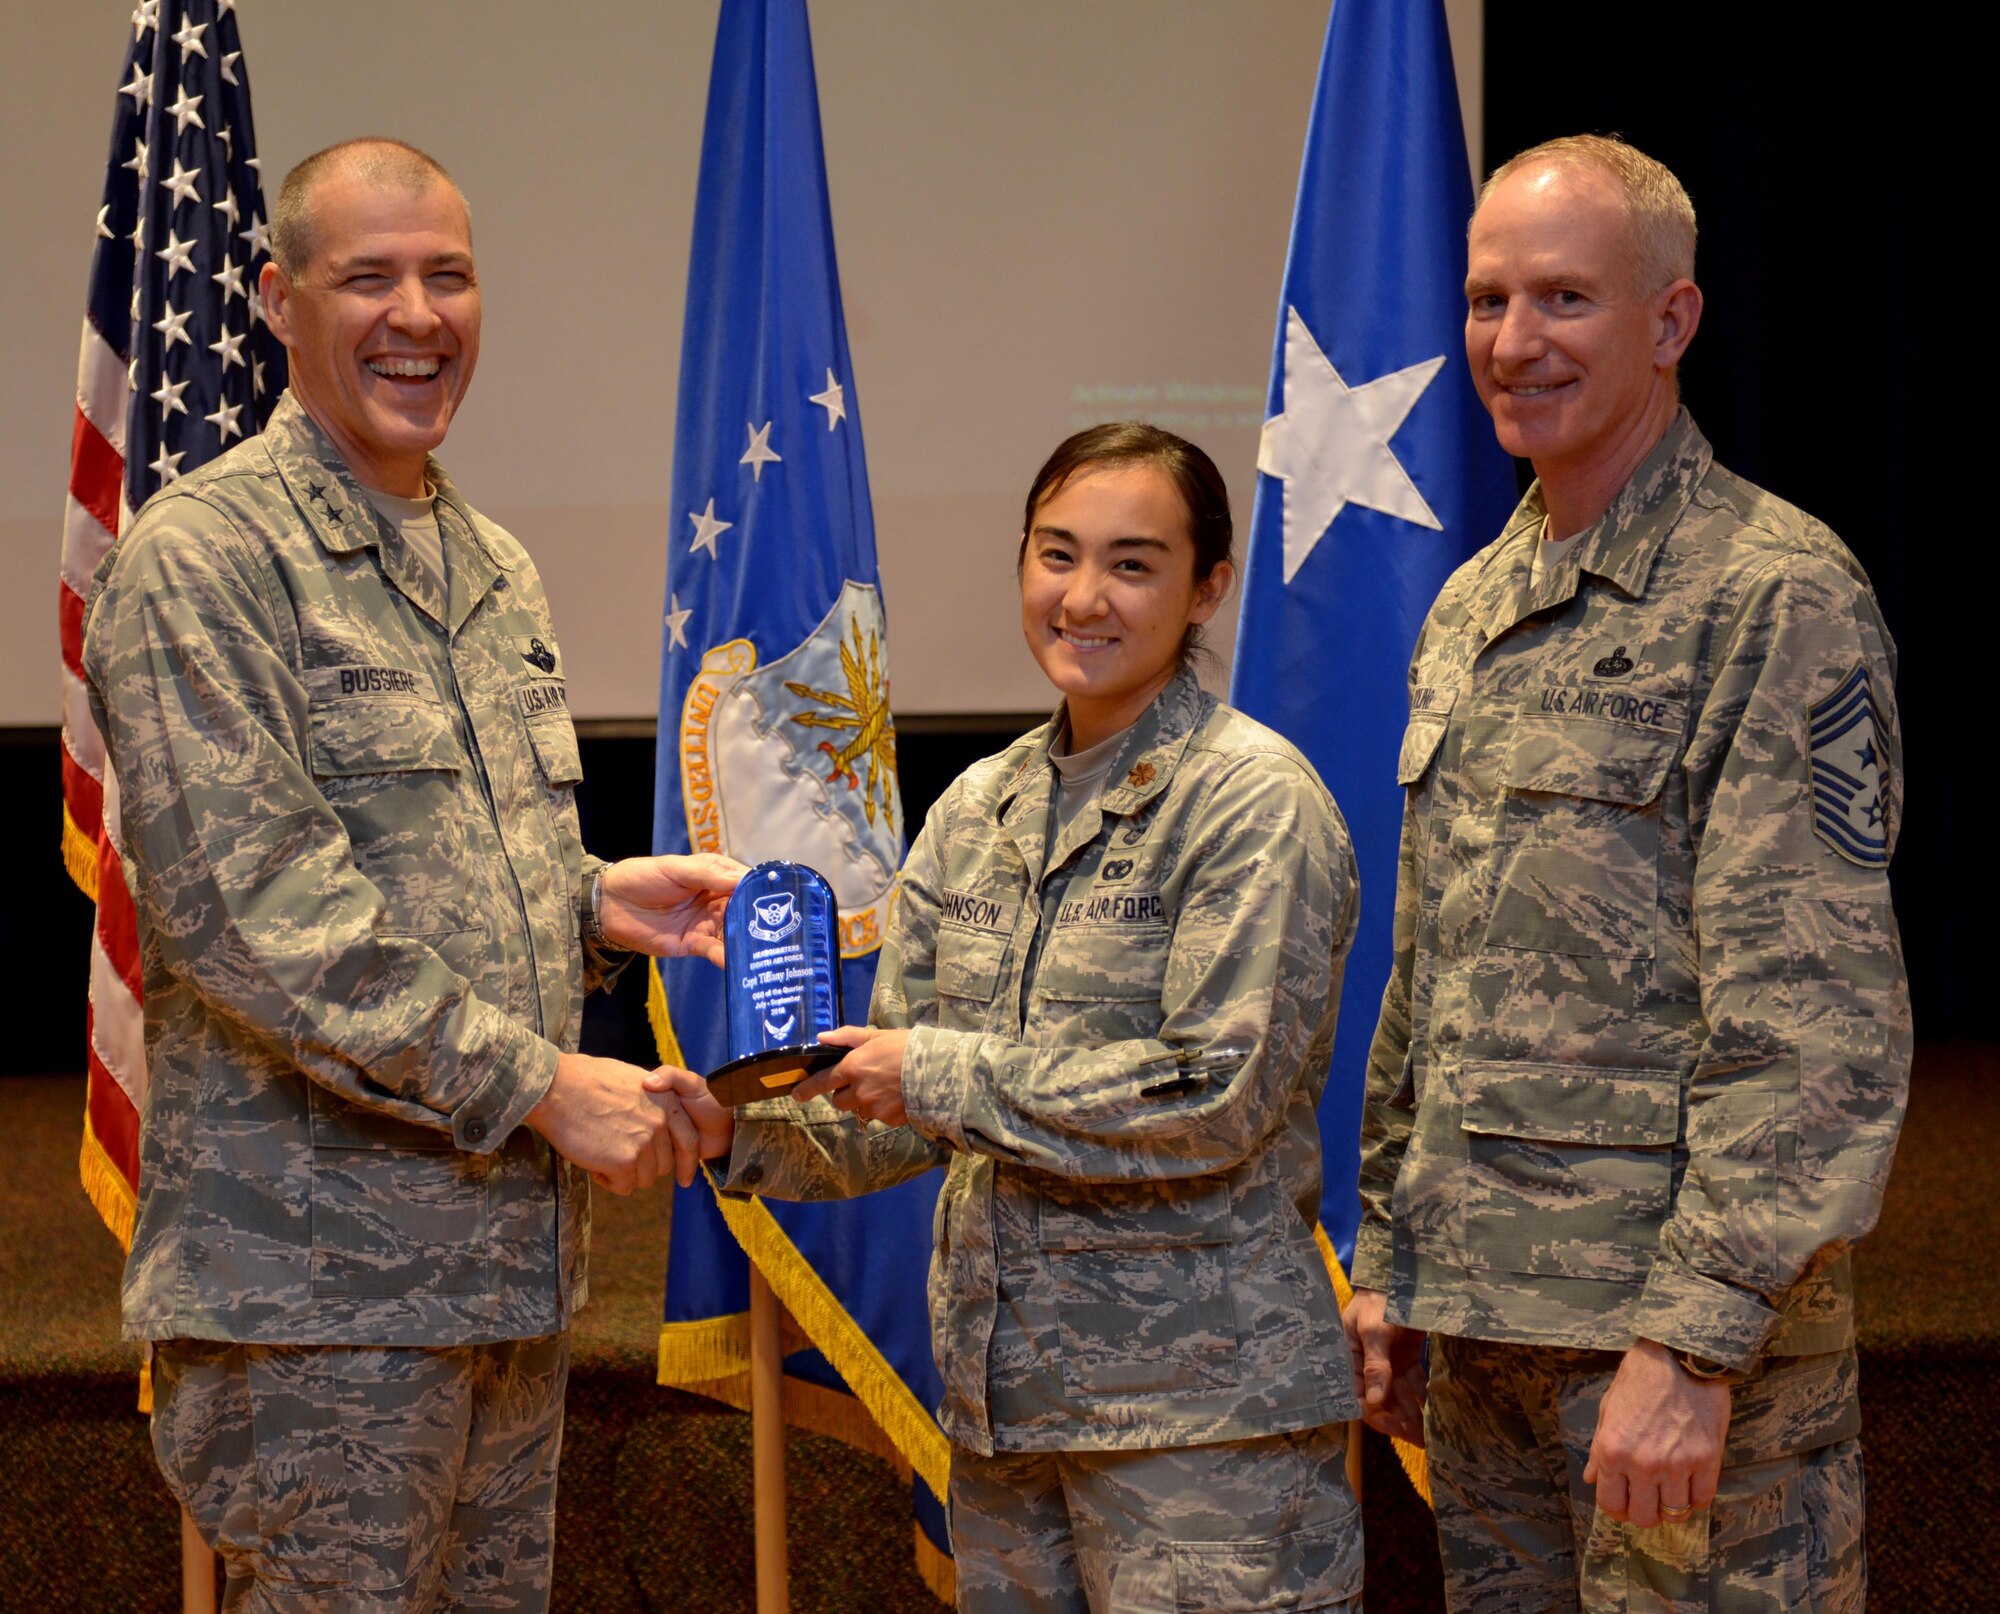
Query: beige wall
x,y
1048,212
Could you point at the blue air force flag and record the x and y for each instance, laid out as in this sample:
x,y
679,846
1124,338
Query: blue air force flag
x,y
775,734
1379,470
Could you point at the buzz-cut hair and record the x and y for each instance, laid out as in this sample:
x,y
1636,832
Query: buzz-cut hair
x,y
1659,218
376,160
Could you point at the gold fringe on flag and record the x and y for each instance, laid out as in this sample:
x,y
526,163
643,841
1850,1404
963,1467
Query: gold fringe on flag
x,y
936,1568
79,855
1414,1462
105,1185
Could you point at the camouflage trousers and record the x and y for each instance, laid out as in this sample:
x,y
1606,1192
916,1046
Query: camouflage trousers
x,y
351,1478
1508,1430
1241,1525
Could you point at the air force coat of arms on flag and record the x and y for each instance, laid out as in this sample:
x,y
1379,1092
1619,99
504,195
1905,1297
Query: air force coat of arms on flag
x,y
758,781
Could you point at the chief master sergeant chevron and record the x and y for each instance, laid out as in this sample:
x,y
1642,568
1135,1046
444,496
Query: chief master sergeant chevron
x,y
337,713
1644,1050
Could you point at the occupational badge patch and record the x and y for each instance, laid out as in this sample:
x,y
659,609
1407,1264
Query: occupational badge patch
x,y
1850,784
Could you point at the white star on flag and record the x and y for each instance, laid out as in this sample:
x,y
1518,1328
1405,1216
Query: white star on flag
x,y
167,467
833,401
760,452
181,184
172,327
189,39
228,348
140,88
1330,446
707,529
179,255
677,619
185,110
224,420
168,397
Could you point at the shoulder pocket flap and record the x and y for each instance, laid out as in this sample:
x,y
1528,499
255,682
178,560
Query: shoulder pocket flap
x,y
554,740
1148,1216
1568,756
968,962
1430,711
382,735
1585,1104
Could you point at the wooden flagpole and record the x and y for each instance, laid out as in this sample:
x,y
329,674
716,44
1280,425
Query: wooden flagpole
x,y
767,1444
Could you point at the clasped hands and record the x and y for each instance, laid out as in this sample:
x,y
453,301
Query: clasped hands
x,y
629,1127
1656,1454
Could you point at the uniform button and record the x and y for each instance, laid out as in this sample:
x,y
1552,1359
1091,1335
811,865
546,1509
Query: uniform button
x,y
752,1176
475,1131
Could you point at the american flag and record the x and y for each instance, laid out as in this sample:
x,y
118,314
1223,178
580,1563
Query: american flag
x,y
176,365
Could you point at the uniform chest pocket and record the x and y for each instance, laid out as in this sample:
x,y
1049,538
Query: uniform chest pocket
x,y
389,768
1569,1168
968,965
1430,715
1580,850
1140,1274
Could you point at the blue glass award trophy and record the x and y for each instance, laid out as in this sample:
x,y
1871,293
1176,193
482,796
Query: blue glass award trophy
x,y
781,938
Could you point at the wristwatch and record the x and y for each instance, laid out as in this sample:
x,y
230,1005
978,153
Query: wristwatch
x,y
593,910
1700,1367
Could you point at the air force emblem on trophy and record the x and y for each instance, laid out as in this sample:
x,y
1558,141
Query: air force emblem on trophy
x,y
781,935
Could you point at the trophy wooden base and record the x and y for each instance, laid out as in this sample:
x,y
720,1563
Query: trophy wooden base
x,y
770,1074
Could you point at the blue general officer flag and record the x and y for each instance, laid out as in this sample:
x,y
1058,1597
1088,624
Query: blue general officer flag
x,y
776,738
1379,469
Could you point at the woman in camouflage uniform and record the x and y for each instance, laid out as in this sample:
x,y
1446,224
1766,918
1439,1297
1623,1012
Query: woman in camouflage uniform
x,y
1106,1005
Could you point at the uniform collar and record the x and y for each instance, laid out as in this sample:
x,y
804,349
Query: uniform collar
x,y
330,500
1141,770
1620,546
1146,760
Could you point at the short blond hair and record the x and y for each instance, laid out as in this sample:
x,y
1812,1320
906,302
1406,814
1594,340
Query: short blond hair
x,y
377,160
1659,216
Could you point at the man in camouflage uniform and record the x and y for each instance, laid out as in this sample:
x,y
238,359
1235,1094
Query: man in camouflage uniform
x,y
1113,1035
1644,1051
335,706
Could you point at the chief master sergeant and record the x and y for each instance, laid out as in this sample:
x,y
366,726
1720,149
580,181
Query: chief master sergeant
x,y
1644,1051
335,707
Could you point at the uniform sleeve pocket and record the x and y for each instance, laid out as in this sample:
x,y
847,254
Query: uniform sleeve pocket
x,y
1569,1168
1316,1568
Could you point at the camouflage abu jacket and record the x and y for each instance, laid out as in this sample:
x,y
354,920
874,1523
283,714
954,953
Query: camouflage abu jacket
x,y
346,816
1644,1052
1119,1061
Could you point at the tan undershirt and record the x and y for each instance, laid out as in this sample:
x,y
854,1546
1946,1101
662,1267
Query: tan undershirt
x,y
417,521
1551,552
